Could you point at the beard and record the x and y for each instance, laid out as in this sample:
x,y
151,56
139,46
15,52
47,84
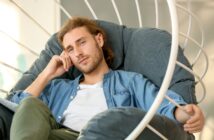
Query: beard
x,y
93,61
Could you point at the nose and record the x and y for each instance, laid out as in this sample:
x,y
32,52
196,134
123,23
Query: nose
x,y
77,51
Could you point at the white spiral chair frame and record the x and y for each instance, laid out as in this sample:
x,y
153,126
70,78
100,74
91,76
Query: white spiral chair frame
x,y
172,5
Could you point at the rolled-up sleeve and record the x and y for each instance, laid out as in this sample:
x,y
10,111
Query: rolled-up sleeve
x,y
145,93
18,96
167,108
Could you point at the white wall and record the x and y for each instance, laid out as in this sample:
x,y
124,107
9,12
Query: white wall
x,y
15,23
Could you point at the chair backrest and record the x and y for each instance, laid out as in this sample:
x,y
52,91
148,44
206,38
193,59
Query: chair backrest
x,y
142,50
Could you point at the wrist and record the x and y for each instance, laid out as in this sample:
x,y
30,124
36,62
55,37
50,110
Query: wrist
x,y
181,115
44,77
37,86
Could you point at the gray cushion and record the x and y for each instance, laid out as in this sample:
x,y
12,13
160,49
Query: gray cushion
x,y
143,50
10,105
147,51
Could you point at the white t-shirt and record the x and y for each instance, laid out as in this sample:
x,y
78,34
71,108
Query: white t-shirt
x,y
89,101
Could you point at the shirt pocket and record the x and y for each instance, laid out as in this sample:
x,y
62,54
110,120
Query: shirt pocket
x,y
122,98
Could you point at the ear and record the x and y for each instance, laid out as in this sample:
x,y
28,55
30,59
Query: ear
x,y
99,39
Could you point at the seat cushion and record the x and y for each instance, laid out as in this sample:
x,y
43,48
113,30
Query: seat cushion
x,y
147,52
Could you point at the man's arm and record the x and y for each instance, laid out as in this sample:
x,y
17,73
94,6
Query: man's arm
x,y
191,116
56,67
145,96
38,84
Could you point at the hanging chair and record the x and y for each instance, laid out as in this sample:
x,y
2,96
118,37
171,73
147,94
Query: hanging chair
x,y
153,52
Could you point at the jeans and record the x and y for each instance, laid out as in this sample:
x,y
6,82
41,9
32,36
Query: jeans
x,y
34,121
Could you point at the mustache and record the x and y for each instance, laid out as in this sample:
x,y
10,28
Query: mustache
x,y
81,59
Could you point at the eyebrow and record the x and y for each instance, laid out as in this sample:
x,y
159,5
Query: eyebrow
x,y
77,41
68,47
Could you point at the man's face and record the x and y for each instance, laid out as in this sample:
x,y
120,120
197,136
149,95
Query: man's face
x,y
84,49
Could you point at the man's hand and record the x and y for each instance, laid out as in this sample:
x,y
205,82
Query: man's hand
x,y
191,116
58,65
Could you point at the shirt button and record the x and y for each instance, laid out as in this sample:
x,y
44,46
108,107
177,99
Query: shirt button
x,y
59,117
72,97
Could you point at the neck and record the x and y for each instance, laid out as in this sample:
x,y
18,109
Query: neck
x,y
96,75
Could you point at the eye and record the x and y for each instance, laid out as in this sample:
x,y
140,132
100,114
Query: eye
x,y
70,49
82,42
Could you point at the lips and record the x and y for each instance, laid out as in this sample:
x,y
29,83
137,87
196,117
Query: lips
x,y
82,60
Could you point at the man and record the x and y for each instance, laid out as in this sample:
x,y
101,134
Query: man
x,y
74,103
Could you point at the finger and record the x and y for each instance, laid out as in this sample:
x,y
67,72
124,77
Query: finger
x,y
189,109
198,126
57,59
198,115
195,124
69,62
66,60
193,130
193,119
63,62
195,113
63,53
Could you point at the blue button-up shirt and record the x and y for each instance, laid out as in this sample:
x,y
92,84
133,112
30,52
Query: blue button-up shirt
x,y
121,89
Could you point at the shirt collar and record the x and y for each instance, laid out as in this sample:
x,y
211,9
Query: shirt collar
x,y
81,76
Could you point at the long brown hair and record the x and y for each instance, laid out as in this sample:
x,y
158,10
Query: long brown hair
x,y
93,28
